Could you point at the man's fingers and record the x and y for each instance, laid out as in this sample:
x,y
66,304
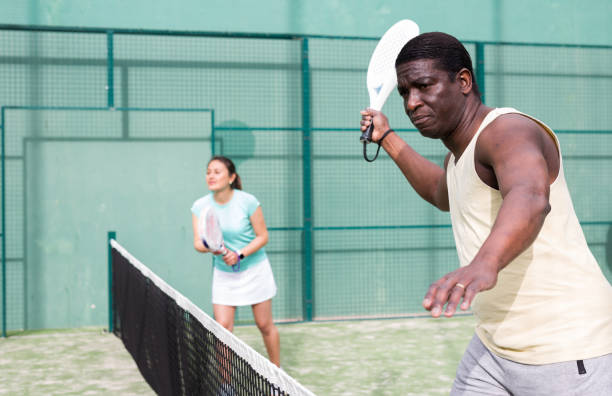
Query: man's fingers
x,y
448,292
366,120
441,296
427,302
456,293
429,296
470,292
436,297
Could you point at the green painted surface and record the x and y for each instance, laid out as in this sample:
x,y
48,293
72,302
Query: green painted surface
x,y
550,21
125,190
61,168
81,180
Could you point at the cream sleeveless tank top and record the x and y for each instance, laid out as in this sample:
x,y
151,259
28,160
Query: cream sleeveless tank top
x,y
552,303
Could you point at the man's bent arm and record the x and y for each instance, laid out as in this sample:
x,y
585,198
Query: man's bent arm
x,y
426,177
522,171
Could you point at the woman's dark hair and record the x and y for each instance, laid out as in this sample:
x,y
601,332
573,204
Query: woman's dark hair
x,y
236,184
448,52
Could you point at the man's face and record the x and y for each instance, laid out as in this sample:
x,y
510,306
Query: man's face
x,y
432,100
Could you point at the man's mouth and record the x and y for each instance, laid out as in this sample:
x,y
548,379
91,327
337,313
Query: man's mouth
x,y
419,119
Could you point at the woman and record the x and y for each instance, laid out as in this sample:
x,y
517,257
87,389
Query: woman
x,y
244,234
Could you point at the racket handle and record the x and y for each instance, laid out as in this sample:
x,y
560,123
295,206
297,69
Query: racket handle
x,y
366,136
236,267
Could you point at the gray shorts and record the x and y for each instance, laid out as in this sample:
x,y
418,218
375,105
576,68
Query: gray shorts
x,y
482,373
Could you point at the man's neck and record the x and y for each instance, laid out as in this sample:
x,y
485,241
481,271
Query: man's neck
x,y
474,114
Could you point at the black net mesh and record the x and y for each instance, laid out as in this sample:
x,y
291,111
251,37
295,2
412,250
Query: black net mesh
x,y
179,349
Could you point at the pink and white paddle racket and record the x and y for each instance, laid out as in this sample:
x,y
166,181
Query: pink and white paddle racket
x,y
211,234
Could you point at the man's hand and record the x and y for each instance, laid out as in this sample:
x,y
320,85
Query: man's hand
x,y
381,123
464,282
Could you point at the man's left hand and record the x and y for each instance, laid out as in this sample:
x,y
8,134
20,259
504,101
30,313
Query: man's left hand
x,y
464,283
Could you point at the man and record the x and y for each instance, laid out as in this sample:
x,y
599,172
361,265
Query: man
x,y
543,306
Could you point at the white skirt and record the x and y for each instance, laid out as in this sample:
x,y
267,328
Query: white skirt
x,y
251,286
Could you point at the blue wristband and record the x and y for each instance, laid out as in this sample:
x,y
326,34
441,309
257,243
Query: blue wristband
x,y
236,267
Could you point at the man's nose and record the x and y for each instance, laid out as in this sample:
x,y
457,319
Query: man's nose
x,y
413,101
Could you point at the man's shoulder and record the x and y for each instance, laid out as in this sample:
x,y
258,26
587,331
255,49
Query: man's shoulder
x,y
513,123
512,135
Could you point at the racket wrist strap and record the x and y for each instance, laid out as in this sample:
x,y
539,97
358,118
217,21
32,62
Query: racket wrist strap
x,y
379,143
384,136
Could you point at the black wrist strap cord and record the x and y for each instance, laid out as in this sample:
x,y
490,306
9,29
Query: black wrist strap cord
x,y
365,155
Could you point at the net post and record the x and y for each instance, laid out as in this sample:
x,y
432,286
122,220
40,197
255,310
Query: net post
x,y
307,265
480,69
111,235
110,72
3,230
212,133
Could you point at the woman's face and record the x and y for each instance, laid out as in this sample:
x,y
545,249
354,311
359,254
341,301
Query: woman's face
x,y
218,177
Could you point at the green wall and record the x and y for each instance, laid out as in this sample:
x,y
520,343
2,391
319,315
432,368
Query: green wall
x,y
549,21
63,194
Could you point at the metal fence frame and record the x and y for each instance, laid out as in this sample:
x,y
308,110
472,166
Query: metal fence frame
x,y
306,127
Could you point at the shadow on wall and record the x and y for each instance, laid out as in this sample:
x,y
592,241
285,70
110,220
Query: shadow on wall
x,y
235,140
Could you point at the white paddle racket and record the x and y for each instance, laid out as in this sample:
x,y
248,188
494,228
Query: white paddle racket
x,y
381,77
211,234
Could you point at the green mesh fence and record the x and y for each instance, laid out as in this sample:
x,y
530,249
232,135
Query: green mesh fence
x,y
112,130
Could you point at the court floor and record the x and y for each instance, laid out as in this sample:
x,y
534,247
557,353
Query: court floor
x,y
415,356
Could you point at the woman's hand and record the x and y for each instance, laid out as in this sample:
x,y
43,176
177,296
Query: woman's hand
x,y
231,258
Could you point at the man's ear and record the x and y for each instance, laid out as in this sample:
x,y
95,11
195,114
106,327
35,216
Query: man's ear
x,y
465,80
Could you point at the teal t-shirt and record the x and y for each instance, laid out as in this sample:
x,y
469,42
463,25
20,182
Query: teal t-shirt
x,y
238,232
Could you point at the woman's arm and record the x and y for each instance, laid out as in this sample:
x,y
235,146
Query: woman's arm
x,y
260,240
197,241
261,233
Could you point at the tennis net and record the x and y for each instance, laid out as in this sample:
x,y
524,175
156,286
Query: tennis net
x,y
178,348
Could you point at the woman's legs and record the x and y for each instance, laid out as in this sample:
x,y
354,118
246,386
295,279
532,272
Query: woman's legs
x,y
224,314
263,318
